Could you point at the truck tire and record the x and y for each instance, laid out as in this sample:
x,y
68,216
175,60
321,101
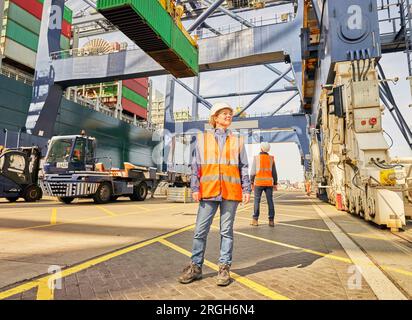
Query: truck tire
x,y
32,193
66,200
103,193
139,192
12,199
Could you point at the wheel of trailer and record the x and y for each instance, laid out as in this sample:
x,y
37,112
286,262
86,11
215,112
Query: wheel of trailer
x,y
66,200
103,193
32,193
139,192
12,199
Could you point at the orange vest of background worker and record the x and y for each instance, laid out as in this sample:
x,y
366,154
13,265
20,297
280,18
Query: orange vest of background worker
x,y
219,171
264,177
264,164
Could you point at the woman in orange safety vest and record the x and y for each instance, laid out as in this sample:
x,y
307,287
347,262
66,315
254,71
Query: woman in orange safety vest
x,y
219,180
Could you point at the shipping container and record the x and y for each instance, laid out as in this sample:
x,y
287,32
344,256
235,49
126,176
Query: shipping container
x,y
19,53
33,7
24,18
134,108
21,35
64,43
134,97
151,27
66,29
136,87
142,81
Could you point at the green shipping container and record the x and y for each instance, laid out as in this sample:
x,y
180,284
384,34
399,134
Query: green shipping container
x,y
21,35
64,43
185,49
149,25
67,14
23,18
134,97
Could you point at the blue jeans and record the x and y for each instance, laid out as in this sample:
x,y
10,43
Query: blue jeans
x,y
269,198
207,210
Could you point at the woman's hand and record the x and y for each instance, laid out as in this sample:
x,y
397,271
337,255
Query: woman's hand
x,y
196,196
246,198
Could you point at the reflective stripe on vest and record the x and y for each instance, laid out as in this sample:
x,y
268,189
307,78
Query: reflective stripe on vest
x,y
264,164
219,171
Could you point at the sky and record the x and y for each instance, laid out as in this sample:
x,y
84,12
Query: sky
x,y
258,77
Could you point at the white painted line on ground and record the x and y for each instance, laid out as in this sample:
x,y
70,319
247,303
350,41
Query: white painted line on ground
x,y
383,288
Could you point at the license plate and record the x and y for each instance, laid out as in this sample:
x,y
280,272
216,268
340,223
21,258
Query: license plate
x,y
62,165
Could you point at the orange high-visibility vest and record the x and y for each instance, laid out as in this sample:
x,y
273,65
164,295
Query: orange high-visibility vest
x,y
219,171
264,164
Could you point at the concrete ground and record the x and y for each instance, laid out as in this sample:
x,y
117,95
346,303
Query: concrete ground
x,y
136,250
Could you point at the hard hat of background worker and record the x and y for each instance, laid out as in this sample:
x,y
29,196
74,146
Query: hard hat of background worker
x,y
219,106
265,146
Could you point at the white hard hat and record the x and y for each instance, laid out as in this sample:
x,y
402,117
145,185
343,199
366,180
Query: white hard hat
x,y
219,106
265,147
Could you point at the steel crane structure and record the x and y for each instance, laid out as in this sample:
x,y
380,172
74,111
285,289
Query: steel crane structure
x,y
332,49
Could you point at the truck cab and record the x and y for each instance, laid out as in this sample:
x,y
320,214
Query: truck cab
x,y
69,154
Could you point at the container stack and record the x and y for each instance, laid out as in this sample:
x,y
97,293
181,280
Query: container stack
x,y
20,35
134,96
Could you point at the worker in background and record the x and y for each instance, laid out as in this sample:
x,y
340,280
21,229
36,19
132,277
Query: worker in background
x,y
264,179
220,179
308,187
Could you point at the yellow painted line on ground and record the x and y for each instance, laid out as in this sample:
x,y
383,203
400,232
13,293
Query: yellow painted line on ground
x,y
44,292
144,208
326,255
109,212
19,289
88,264
404,272
53,218
318,253
324,230
243,280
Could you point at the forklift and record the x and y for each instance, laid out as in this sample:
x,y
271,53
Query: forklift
x,y
19,170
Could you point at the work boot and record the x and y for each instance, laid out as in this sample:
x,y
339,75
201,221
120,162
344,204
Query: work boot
x,y
223,277
191,273
254,222
271,223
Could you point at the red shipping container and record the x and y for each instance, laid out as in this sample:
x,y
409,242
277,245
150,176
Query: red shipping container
x,y
142,81
67,29
33,7
136,87
134,108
